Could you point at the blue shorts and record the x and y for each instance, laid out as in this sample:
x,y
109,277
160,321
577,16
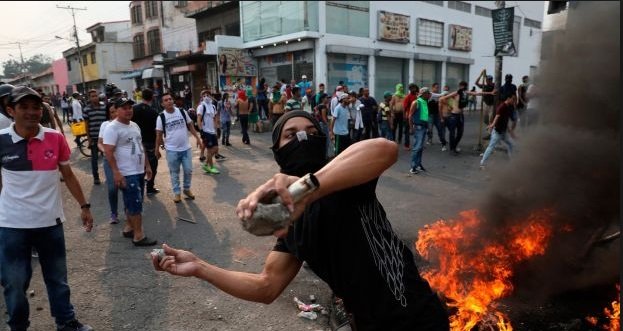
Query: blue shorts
x,y
133,194
209,139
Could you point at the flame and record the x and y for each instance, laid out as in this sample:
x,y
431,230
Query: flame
x,y
473,274
612,315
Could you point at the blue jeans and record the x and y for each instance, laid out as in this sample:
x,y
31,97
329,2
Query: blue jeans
x,y
456,124
226,131
495,138
113,191
385,131
95,152
16,272
175,159
133,194
418,145
435,120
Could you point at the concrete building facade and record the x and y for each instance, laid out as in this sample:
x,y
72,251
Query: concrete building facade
x,y
379,44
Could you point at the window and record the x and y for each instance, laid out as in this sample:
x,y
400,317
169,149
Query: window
x,y
151,9
460,5
84,60
531,23
429,33
482,11
92,57
181,3
68,64
455,73
350,18
153,41
139,46
264,19
438,3
137,14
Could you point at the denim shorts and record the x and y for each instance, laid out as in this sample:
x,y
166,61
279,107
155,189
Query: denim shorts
x,y
209,139
133,194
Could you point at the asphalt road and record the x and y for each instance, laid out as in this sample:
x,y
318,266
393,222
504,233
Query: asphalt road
x,y
114,286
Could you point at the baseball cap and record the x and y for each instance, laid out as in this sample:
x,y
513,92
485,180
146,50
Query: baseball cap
x,y
342,97
387,94
20,92
304,76
489,77
424,90
120,102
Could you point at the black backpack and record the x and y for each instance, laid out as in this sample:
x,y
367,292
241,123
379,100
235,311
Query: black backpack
x,y
164,126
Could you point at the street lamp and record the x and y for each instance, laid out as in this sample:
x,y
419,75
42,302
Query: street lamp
x,y
84,89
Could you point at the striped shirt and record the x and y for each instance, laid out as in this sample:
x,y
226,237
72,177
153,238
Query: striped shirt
x,y
95,116
30,196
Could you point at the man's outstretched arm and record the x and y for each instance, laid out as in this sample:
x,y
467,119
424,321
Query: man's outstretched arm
x,y
279,270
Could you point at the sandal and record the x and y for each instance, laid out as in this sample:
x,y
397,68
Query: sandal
x,y
129,234
145,242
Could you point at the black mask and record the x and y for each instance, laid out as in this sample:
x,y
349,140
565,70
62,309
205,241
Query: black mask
x,y
298,158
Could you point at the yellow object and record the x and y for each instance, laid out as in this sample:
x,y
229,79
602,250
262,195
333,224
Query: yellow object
x,y
79,128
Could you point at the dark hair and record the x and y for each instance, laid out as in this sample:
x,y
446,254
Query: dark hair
x,y
321,84
296,89
167,93
463,83
225,96
148,94
435,84
524,77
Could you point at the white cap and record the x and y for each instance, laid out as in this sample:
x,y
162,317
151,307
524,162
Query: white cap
x,y
304,77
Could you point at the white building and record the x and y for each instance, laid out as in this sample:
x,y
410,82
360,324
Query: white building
x,y
381,43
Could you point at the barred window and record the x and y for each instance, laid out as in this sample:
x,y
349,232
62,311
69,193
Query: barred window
x,y
153,41
151,9
531,23
429,33
460,5
139,46
438,3
482,11
137,14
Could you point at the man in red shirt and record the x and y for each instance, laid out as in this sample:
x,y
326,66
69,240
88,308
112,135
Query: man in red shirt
x,y
413,91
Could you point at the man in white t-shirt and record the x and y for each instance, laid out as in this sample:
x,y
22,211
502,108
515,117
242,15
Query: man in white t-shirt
x,y
174,124
76,108
127,159
5,93
205,117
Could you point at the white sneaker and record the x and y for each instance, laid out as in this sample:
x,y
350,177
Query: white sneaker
x,y
458,150
444,148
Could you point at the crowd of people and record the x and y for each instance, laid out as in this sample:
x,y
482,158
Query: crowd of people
x,y
313,132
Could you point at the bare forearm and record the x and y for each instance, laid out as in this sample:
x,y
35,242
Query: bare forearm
x,y
243,285
354,166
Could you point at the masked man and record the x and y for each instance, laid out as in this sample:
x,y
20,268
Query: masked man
x,y
340,230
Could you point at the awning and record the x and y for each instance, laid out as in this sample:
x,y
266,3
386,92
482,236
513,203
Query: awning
x,y
183,69
153,73
133,74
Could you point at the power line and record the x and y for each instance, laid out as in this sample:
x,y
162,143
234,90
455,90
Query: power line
x,y
73,15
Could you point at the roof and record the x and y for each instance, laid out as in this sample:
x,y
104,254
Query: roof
x,y
92,27
214,10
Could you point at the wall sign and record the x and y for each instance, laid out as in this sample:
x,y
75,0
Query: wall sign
x,y
460,38
393,27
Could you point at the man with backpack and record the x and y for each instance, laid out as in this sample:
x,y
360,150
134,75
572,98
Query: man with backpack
x,y
173,124
145,115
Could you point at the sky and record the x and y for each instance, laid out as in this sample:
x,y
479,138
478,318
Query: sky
x,y
35,23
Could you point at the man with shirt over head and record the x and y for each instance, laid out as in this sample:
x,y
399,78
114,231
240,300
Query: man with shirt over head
x,y
32,211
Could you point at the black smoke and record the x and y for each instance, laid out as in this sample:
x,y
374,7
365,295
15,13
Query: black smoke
x,y
569,160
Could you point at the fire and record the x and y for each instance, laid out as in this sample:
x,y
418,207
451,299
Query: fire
x,y
612,315
473,274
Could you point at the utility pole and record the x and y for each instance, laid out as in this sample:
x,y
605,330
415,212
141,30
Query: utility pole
x,y
84,89
21,57
498,65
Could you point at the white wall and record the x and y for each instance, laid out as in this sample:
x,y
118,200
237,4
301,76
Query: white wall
x,y
178,33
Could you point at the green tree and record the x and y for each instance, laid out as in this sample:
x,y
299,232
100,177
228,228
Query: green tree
x,y
35,64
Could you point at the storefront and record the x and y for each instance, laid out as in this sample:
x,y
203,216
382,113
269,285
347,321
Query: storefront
x,y
352,69
426,73
389,72
288,66
455,73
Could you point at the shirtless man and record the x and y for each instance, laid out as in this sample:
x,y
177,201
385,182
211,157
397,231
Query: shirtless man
x,y
244,107
397,109
275,105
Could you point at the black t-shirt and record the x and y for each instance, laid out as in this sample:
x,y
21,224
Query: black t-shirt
x,y
368,112
488,99
507,90
505,111
463,98
145,116
348,242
